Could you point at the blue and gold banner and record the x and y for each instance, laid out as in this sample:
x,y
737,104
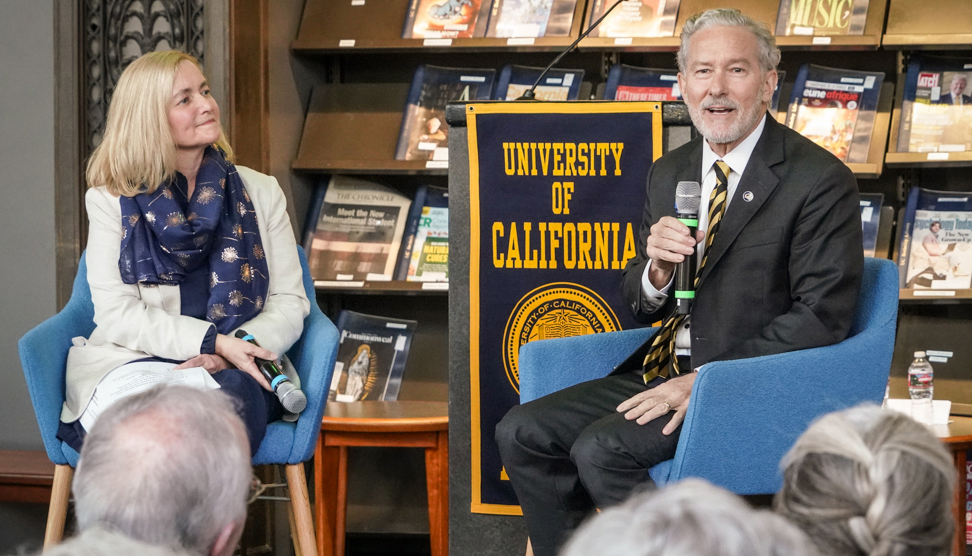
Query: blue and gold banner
x,y
556,198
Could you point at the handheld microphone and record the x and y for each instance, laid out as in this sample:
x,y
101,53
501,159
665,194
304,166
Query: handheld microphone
x,y
529,94
688,198
289,395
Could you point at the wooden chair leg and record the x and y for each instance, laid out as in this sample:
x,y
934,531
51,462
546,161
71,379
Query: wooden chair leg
x,y
325,493
297,485
341,504
57,512
437,483
529,548
293,530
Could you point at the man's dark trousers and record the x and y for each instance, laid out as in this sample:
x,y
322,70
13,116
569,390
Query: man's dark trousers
x,y
560,448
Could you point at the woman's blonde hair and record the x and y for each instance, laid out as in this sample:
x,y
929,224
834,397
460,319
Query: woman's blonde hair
x,y
137,152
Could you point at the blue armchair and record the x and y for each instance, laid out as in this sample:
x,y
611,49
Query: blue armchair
x,y
744,414
43,353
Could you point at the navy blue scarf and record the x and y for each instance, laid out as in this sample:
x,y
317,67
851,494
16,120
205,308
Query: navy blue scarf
x,y
165,236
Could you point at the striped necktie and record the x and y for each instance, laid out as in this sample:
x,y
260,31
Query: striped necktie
x,y
663,344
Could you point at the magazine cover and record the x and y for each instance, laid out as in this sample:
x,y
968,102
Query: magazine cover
x,y
936,242
371,357
835,109
870,220
626,82
411,228
446,19
775,102
359,230
429,261
558,84
936,112
425,133
634,18
821,17
531,18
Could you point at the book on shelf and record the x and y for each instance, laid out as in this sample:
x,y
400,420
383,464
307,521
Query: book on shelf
x,y
357,232
446,19
935,252
428,259
936,110
835,108
531,18
821,17
557,84
871,220
626,82
371,357
425,134
634,18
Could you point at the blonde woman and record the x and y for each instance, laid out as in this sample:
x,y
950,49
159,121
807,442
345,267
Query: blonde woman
x,y
870,482
184,248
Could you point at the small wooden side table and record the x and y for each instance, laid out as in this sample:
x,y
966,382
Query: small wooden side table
x,y
957,436
25,476
410,424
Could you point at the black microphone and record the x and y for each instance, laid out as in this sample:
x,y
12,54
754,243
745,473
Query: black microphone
x,y
688,198
529,94
289,395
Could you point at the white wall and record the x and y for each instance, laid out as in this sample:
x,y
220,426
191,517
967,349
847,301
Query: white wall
x,y
27,263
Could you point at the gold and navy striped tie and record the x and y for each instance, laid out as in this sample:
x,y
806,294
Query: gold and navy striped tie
x,y
663,345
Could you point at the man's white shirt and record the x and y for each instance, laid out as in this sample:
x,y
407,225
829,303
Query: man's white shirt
x,y
736,159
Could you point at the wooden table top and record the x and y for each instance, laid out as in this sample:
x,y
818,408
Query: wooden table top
x,y
957,433
25,467
397,416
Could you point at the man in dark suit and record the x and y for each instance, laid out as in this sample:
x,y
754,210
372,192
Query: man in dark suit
x,y
956,87
782,273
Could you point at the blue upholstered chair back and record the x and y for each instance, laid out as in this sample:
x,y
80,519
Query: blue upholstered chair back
x,y
44,349
744,414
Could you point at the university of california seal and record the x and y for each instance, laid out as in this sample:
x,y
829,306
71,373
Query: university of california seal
x,y
556,310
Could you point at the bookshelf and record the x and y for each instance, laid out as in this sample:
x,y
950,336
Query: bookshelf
x,y
348,68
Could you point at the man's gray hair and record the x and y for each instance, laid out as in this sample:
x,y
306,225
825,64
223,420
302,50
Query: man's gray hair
x,y
101,542
169,466
868,481
689,518
768,53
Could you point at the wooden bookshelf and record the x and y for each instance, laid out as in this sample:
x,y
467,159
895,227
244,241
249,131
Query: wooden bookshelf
x,y
929,24
917,160
935,297
349,26
392,287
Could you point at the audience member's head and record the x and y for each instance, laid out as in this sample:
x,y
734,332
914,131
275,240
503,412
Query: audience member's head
x,y
169,467
101,542
873,482
690,518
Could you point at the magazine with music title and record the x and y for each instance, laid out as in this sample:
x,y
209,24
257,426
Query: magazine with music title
x,y
557,84
936,240
821,17
446,19
358,231
936,110
634,18
870,220
531,18
835,108
425,133
371,357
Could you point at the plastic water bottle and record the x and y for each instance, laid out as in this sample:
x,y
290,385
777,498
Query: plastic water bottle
x,y
921,387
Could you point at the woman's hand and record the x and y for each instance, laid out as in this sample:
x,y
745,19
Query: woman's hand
x,y
211,362
240,354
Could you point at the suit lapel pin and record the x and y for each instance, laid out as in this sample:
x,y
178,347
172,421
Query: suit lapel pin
x,y
748,196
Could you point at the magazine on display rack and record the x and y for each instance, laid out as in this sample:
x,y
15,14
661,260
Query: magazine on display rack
x,y
531,18
446,19
634,18
936,112
371,357
936,240
821,17
557,84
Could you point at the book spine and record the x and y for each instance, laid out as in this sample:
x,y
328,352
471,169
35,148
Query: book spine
x,y
313,215
907,227
414,93
411,228
796,96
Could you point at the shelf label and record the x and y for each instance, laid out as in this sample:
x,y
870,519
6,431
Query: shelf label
x,y
436,163
936,359
345,43
338,284
357,2
936,353
435,286
622,41
933,293
520,41
437,42
937,156
373,277
821,40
